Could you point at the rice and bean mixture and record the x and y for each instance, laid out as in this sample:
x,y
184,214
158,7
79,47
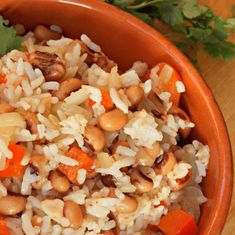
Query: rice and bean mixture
x,y
89,149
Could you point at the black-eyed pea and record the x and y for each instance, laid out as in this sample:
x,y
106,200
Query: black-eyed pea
x,y
52,67
38,162
66,87
135,95
12,205
108,233
108,180
119,143
74,213
38,185
31,121
6,108
113,120
165,163
94,136
147,156
142,184
127,206
36,220
42,33
59,182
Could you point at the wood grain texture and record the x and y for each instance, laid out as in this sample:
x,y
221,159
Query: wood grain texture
x,y
220,77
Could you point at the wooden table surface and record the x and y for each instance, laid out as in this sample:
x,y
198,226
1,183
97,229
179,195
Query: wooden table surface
x,y
220,77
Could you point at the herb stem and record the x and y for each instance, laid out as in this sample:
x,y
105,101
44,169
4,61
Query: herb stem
x,y
143,4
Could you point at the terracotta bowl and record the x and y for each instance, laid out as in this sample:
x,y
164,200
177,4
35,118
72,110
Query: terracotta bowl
x,y
126,39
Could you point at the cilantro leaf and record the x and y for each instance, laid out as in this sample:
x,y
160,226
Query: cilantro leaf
x,y
170,14
233,10
231,24
220,28
198,34
181,45
190,22
191,9
225,50
8,38
143,16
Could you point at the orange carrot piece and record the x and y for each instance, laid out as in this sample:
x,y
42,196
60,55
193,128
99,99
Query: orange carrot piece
x,y
13,166
170,85
106,100
177,222
4,230
167,85
3,79
84,161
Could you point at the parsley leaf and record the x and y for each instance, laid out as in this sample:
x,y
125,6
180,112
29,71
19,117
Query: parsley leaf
x,y
8,38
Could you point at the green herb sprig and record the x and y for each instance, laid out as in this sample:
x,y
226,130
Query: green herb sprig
x,y
192,24
8,38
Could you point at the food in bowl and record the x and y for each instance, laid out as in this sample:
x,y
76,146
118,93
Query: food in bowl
x,y
89,149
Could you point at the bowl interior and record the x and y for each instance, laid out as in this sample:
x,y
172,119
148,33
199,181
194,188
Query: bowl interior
x,y
126,39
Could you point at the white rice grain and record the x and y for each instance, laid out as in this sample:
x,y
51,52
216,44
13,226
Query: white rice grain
x,y
56,28
181,169
147,135
28,179
125,151
50,86
130,78
20,67
29,71
46,225
77,196
67,160
26,88
117,100
77,97
54,209
60,42
46,186
4,151
51,134
25,160
90,44
26,223
37,82
140,68
146,86
81,176
41,130
180,87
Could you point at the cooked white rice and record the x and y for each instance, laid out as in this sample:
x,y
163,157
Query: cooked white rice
x,y
61,124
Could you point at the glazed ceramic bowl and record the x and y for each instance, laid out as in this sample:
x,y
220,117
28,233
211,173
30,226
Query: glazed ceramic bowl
x,y
125,39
